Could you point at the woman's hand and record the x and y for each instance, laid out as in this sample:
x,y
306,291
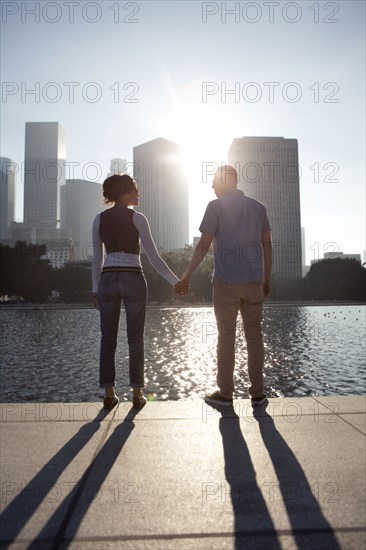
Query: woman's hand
x,y
182,287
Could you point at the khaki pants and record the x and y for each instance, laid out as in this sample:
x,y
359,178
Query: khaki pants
x,y
228,299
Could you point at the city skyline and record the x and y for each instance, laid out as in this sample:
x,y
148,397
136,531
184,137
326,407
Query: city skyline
x,y
266,71
267,170
253,166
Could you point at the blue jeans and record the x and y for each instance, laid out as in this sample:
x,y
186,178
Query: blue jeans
x,y
113,288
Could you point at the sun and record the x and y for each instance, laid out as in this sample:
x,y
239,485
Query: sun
x,y
203,151
205,136
205,132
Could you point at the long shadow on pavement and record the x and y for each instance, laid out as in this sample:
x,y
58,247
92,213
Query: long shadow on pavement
x,y
88,488
309,526
25,504
254,528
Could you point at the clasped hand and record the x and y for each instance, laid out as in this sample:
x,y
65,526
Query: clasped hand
x,y
182,287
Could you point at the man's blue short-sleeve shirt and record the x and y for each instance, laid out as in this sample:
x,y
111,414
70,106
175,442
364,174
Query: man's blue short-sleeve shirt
x,y
237,223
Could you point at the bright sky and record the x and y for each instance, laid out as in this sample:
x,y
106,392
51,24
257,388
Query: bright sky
x,y
118,74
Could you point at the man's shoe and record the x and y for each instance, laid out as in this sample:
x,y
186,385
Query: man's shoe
x,y
110,402
217,399
259,400
139,401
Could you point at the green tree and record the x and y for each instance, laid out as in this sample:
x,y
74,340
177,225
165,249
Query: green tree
x,y
74,283
352,287
286,289
24,273
328,279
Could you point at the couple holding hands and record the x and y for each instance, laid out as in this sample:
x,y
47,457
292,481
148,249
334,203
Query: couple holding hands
x,y
240,232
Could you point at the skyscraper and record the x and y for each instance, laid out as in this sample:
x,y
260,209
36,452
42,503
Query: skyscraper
x,y
163,192
7,196
118,166
268,169
44,173
81,200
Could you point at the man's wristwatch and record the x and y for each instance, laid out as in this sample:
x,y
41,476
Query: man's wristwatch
x,y
94,294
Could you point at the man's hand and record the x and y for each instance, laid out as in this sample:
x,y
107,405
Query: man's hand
x,y
266,288
95,303
182,287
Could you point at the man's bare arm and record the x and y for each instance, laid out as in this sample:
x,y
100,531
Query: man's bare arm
x,y
199,253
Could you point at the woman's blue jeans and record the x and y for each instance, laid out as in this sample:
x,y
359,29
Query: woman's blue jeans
x,y
113,288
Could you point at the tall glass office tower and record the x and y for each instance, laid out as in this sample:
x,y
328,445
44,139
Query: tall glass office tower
x,y
8,170
163,192
44,173
268,169
81,200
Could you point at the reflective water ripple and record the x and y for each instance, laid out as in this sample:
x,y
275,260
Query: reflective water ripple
x,y
52,355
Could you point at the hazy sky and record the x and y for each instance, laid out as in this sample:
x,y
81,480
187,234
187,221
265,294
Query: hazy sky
x,y
141,70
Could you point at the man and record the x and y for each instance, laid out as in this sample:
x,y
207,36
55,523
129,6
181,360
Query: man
x,y
240,231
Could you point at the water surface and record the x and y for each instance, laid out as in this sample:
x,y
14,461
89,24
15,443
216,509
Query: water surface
x,y
52,354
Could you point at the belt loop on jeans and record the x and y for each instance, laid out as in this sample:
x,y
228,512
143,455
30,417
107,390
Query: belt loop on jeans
x,y
118,269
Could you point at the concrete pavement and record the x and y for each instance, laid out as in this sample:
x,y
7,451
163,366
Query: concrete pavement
x,y
182,475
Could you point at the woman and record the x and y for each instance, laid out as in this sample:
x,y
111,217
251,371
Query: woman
x,y
119,277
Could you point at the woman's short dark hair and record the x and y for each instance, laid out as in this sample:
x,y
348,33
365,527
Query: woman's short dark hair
x,y
117,185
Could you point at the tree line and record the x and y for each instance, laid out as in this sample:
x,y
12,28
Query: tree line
x,y
26,276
